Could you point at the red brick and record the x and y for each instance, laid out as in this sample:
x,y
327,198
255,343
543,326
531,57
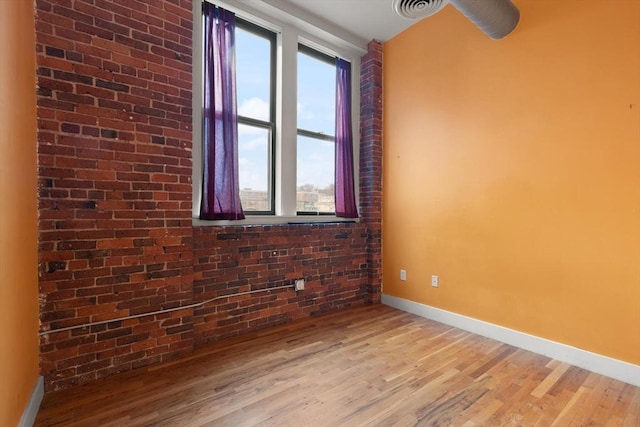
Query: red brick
x,y
131,23
91,50
101,175
178,29
91,153
72,14
70,34
74,162
111,46
93,11
131,60
69,117
55,63
55,19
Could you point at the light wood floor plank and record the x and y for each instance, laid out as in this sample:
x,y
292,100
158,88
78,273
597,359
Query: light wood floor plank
x,y
551,379
371,366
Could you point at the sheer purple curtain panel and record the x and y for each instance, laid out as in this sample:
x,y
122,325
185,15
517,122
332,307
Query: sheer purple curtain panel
x,y
220,186
344,188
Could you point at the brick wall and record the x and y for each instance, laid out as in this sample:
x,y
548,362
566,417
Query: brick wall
x,y
371,164
114,111
229,260
116,237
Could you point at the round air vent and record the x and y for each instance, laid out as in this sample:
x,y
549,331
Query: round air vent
x,y
416,9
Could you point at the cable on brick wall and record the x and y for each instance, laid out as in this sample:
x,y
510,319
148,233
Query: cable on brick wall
x,y
168,310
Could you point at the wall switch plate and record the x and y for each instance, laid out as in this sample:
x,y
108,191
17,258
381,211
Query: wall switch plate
x,y
299,284
434,281
403,275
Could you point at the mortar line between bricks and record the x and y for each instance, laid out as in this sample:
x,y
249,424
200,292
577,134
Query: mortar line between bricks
x,y
168,310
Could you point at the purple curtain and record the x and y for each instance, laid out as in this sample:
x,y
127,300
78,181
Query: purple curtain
x,y
220,186
345,194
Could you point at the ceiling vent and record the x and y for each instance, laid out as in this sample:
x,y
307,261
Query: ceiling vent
x,y
417,9
496,18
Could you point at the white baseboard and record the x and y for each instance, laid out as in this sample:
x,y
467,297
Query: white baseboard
x,y
31,411
617,369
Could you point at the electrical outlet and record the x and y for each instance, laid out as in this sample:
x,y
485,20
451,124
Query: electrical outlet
x,y
403,275
434,281
299,284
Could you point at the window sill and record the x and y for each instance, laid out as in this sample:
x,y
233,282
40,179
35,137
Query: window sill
x,y
257,220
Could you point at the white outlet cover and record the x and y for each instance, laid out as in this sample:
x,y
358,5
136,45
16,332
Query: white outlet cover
x,y
434,281
403,274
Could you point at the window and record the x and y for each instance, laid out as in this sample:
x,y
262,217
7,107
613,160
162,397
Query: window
x,y
316,110
255,77
286,95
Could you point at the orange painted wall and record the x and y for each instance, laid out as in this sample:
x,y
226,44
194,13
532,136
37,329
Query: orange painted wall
x,y
512,171
18,211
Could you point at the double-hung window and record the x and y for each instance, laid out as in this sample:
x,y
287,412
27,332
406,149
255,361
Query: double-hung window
x,y
286,83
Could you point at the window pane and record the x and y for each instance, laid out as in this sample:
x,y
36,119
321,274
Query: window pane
x,y
253,75
254,71
316,175
316,94
254,170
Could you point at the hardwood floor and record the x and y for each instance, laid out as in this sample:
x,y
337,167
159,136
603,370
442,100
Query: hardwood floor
x,y
371,366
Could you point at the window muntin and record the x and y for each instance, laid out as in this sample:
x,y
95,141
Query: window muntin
x,y
255,77
316,106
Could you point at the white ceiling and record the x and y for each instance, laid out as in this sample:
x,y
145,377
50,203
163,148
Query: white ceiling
x,y
364,19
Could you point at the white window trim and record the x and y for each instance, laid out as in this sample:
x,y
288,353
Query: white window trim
x,y
291,29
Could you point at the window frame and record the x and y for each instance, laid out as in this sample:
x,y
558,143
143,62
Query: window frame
x,y
291,30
